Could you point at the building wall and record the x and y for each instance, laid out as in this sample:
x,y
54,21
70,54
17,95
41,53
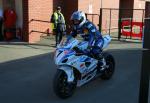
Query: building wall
x,y
139,4
42,10
29,10
110,4
83,5
106,14
90,7
95,5
39,10
137,14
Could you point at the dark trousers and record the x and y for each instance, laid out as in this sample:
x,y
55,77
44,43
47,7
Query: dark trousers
x,y
1,23
60,31
58,37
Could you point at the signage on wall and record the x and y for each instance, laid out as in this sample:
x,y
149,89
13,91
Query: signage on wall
x,y
137,29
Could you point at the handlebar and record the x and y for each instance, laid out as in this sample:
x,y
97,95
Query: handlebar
x,y
78,51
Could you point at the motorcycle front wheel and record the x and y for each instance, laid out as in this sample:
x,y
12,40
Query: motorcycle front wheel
x,y
61,87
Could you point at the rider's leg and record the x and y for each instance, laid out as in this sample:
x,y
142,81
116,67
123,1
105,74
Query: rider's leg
x,y
97,50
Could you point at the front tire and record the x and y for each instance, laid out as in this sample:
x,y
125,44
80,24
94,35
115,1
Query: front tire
x,y
109,71
61,87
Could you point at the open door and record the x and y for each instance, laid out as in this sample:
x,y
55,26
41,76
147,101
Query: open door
x,y
126,8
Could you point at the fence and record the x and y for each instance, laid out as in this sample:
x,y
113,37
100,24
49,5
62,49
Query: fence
x,y
94,18
111,21
119,23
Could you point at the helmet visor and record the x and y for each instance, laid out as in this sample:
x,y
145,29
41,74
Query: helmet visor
x,y
76,22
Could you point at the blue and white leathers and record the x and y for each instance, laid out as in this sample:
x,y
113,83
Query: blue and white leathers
x,y
89,33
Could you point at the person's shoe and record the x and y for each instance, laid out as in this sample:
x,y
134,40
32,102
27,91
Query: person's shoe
x,y
102,64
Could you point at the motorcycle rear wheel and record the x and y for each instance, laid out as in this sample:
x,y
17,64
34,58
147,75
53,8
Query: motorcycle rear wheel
x,y
109,71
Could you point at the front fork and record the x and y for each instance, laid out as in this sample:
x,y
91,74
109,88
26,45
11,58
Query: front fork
x,y
69,71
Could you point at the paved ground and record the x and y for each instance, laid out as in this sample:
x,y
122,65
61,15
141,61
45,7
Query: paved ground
x,y
13,51
28,77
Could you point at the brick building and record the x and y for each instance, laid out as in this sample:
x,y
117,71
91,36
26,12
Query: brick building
x,y
33,15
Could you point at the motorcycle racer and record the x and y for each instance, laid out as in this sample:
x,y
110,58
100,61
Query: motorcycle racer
x,y
88,32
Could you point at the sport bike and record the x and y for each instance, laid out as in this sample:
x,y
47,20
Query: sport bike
x,y
75,69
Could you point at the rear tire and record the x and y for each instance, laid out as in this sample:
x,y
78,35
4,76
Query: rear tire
x,y
61,87
110,62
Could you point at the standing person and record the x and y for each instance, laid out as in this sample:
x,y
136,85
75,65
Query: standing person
x,y
58,21
1,23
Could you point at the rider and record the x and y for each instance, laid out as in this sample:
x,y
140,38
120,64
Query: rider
x,y
88,32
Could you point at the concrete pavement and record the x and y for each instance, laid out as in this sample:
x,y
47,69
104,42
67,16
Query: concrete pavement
x,y
29,79
17,50
13,51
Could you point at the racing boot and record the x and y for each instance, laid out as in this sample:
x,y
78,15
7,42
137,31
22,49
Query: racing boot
x,y
101,61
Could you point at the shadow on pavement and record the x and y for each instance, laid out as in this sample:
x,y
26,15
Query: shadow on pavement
x,y
125,42
22,46
29,80
26,44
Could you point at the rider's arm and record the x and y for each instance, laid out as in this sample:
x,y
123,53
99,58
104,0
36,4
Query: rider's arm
x,y
91,39
73,33
92,33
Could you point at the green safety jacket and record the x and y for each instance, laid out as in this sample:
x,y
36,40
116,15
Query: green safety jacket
x,y
58,19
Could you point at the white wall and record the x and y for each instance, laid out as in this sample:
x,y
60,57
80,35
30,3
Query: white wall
x,y
137,15
19,11
139,4
110,3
